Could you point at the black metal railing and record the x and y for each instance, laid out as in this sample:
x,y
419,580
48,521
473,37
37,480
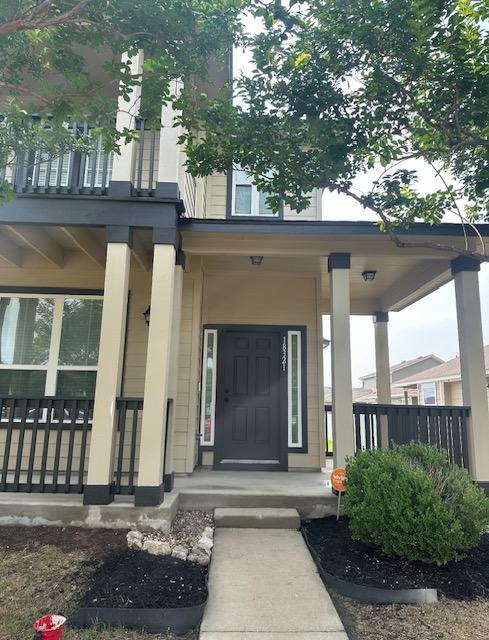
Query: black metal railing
x,y
43,443
444,427
75,173
126,458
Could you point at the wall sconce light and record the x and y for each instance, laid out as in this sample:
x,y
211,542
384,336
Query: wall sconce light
x,y
256,260
368,276
147,314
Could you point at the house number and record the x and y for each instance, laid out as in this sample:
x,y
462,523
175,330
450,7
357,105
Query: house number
x,y
284,353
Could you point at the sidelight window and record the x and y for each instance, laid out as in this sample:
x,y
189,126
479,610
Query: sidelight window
x,y
208,399
294,380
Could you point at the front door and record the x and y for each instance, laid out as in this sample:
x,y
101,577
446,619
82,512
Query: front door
x,y
249,388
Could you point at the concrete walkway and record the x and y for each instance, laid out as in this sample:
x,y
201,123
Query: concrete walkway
x,y
264,586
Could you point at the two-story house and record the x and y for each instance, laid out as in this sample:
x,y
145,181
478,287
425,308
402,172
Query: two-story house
x,y
152,323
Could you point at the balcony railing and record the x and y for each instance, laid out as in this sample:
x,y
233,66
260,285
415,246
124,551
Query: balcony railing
x,y
84,173
444,427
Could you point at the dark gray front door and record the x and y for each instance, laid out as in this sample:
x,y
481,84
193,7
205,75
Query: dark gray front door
x,y
249,386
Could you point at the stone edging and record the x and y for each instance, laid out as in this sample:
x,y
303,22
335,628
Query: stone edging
x,y
371,595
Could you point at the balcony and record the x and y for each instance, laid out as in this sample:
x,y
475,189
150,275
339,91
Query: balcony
x,y
87,174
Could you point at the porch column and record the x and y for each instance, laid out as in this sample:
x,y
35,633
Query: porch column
x,y
170,152
150,489
382,369
343,434
110,362
174,362
123,165
474,390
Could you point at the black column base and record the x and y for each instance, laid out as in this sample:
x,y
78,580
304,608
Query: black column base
x,y
169,482
97,494
149,496
120,188
484,486
167,190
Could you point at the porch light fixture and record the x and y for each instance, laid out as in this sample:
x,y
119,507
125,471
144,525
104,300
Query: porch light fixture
x,y
256,260
368,276
147,314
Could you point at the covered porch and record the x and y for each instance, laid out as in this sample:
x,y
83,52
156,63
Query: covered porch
x,y
144,420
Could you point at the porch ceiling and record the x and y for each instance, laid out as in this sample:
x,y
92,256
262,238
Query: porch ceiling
x,y
403,275
55,244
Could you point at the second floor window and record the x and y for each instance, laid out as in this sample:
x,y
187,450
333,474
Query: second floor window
x,y
246,199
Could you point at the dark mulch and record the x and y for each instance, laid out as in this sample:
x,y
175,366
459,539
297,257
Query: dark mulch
x,y
138,580
358,563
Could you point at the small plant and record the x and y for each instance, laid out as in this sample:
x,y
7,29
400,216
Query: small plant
x,y
411,502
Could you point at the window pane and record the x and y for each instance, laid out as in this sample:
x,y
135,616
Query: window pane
x,y
429,394
295,391
241,177
22,383
242,205
80,333
208,391
76,384
264,209
25,325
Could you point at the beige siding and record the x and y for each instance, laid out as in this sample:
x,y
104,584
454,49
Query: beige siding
x,y
312,212
283,299
216,190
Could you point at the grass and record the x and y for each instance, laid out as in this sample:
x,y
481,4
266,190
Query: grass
x,y
38,576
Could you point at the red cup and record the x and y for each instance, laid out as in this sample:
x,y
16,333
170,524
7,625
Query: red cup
x,y
50,627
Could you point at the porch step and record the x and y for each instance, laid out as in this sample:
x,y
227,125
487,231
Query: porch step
x,y
241,518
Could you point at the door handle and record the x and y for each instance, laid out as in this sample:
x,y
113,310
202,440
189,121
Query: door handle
x,y
226,399
226,390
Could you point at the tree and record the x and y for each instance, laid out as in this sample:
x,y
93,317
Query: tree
x,y
61,59
342,88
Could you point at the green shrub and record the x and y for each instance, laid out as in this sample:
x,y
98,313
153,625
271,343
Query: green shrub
x,y
410,502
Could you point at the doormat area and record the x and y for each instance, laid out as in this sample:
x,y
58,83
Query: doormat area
x,y
360,564
137,580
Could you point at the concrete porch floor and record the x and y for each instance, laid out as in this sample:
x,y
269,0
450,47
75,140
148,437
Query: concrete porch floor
x,y
308,492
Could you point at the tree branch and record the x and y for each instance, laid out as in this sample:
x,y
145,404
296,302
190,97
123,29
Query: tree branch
x,y
38,18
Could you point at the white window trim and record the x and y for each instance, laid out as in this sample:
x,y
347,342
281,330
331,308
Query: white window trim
x,y
208,443
255,202
291,444
51,367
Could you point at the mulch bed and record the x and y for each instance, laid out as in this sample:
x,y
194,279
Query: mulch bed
x,y
358,563
137,580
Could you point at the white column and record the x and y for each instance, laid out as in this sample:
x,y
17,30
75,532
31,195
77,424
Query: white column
x,y
471,345
343,434
149,491
109,373
382,369
174,362
123,165
170,156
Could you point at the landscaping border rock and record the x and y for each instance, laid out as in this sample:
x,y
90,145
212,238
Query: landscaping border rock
x,y
371,595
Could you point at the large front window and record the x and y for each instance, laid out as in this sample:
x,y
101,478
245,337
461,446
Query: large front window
x,y
49,345
247,200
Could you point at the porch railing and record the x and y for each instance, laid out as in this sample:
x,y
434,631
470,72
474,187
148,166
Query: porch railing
x,y
43,443
444,427
127,445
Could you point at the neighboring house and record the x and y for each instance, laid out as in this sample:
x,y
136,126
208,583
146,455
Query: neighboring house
x,y
152,323
398,371
440,385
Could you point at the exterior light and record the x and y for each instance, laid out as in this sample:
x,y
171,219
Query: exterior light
x,y
368,276
256,260
147,314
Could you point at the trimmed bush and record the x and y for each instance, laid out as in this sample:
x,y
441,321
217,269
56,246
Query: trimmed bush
x,y
410,502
